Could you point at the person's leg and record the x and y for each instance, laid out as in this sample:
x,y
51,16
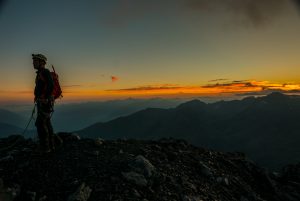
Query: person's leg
x,y
43,133
42,127
50,135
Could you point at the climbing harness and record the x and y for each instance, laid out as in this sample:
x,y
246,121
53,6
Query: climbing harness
x,y
16,141
31,117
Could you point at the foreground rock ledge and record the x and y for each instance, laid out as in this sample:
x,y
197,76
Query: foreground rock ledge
x,y
168,169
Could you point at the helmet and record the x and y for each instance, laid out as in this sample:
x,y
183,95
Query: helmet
x,y
39,56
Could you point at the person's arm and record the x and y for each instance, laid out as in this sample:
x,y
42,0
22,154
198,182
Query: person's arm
x,y
50,83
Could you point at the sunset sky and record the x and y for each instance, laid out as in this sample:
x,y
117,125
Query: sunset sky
x,y
112,49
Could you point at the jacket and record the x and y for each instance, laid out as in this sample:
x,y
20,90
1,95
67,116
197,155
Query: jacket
x,y
43,84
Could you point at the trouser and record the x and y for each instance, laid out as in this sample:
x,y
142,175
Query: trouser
x,y
43,124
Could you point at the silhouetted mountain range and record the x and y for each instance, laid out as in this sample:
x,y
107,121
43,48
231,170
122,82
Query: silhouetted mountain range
x,y
6,130
69,117
74,116
265,128
135,170
12,123
12,118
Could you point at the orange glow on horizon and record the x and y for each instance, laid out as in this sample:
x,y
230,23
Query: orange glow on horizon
x,y
164,90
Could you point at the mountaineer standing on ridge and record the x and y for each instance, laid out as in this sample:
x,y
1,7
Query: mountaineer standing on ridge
x,y
44,100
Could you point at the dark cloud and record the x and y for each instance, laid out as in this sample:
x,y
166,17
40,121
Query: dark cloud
x,y
217,80
239,81
248,12
231,84
297,3
249,84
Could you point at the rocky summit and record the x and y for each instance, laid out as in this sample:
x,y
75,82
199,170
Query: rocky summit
x,y
136,170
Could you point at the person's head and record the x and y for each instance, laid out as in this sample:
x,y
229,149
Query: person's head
x,y
39,61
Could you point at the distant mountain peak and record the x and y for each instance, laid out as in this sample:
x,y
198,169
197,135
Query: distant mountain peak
x,y
276,96
193,104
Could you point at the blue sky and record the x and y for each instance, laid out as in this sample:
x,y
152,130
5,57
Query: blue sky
x,y
181,43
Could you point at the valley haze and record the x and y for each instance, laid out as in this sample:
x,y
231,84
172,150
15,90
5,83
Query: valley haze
x,y
265,127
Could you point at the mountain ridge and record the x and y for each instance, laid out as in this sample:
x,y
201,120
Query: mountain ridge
x,y
164,170
244,125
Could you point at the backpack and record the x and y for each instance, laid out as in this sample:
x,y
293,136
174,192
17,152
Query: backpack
x,y
57,92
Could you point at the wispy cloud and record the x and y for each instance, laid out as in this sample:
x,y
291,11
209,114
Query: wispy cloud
x,y
217,80
222,88
16,92
114,78
71,86
145,88
254,84
232,84
232,87
239,81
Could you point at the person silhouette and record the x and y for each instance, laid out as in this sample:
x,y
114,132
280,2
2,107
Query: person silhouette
x,y
45,102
